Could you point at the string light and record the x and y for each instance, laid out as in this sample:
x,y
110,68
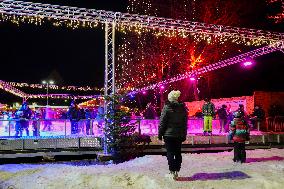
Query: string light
x,y
215,66
18,12
142,27
11,89
279,17
149,55
5,86
56,87
62,96
39,20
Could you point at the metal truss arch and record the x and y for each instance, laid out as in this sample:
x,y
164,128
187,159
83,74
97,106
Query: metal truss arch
x,y
29,9
221,64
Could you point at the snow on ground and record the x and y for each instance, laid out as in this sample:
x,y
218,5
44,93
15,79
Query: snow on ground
x,y
264,169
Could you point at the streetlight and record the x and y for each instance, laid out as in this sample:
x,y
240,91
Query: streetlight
x,y
47,83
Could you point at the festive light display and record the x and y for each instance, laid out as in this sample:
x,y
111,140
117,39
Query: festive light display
x,y
7,87
279,17
62,96
140,24
144,58
92,103
56,87
11,89
237,59
166,26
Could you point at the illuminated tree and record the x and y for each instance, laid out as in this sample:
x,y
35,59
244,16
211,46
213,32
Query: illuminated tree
x,y
146,58
279,16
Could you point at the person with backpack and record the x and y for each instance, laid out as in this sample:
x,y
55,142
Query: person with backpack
x,y
239,133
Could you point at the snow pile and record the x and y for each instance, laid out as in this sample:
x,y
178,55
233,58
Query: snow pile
x,y
265,169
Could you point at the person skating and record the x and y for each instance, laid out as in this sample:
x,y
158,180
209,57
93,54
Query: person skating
x,y
208,110
74,115
89,122
36,122
239,133
173,129
222,114
22,116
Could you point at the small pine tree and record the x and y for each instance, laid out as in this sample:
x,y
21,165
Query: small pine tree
x,y
122,141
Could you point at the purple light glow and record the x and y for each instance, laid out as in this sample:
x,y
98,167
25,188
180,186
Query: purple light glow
x,y
248,63
144,92
162,87
192,79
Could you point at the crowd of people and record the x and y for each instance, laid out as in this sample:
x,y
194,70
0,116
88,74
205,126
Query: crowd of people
x,y
20,120
173,129
226,115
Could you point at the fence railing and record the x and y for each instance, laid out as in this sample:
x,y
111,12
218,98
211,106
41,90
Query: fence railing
x,y
89,127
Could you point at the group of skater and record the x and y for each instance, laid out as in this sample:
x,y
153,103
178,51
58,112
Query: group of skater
x,y
75,114
225,117
20,120
173,130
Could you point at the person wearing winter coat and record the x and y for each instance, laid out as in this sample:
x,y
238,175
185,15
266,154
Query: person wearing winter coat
x,y
208,110
22,116
100,118
239,133
173,130
36,122
89,122
222,114
74,115
258,117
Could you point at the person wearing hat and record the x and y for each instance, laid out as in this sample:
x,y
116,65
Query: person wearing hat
x,y
173,130
239,133
23,115
74,115
222,114
208,110
36,122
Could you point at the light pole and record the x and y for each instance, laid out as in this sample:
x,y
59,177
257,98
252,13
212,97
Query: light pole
x,y
47,83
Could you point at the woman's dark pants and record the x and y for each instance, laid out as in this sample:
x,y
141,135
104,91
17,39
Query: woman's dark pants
x,y
173,146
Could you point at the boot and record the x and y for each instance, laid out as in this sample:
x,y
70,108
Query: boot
x,y
175,175
171,175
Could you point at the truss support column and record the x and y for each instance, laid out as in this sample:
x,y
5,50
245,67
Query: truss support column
x,y
109,82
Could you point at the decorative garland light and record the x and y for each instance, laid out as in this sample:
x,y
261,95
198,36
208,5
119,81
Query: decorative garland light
x,y
5,86
80,17
197,36
279,17
55,87
63,96
11,89
39,20
215,66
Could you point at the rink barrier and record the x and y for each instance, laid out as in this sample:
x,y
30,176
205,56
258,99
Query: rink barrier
x,y
223,139
55,143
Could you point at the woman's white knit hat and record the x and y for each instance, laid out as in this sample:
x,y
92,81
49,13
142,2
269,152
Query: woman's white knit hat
x,y
173,95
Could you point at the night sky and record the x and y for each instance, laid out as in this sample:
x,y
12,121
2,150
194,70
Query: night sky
x,y
32,53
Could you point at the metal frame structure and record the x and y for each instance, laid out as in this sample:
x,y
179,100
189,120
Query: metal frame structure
x,y
20,8
109,84
111,19
221,64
